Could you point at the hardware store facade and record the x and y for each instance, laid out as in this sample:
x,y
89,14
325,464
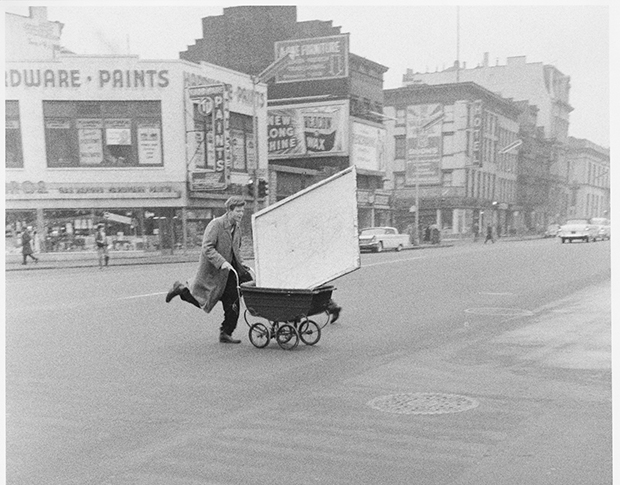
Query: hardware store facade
x,y
129,143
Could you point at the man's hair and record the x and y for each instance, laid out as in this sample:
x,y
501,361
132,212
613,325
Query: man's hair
x,y
235,201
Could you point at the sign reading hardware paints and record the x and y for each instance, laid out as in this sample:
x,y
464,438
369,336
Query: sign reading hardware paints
x,y
76,78
315,58
306,131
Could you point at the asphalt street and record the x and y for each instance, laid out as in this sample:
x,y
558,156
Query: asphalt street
x,y
474,364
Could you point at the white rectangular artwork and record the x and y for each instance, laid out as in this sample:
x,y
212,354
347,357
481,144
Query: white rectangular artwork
x,y
309,238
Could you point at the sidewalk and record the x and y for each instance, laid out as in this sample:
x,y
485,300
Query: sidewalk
x,y
89,259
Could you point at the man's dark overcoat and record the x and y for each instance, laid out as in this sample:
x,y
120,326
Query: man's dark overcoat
x,y
218,246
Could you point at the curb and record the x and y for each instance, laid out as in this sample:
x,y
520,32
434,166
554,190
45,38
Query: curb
x,y
90,260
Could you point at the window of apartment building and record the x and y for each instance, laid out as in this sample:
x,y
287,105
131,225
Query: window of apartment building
x,y
400,147
103,133
401,116
446,178
13,157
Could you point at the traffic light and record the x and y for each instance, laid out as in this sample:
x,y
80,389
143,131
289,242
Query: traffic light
x,y
263,189
249,188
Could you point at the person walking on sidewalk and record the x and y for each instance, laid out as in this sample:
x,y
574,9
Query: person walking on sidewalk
x,y
27,245
101,240
476,231
489,234
214,281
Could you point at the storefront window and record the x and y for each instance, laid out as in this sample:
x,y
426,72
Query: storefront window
x,y
13,136
103,134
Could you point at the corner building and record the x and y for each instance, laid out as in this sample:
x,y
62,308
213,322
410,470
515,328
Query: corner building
x,y
317,124
446,142
120,140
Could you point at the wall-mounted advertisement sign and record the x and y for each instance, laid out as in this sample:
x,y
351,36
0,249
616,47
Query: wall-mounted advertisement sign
x,y
424,141
368,146
307,131
476,132
315,58
213,102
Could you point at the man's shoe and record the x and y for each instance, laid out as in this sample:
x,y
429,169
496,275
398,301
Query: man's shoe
x,y
335,313
174,291
227,339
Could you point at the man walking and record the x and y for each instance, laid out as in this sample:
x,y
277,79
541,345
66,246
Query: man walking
x,y
101,241
489,234
27,246
214,280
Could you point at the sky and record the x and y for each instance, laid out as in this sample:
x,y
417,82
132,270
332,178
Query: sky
x,y
573,38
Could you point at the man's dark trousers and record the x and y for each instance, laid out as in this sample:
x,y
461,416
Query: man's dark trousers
x,y
230,302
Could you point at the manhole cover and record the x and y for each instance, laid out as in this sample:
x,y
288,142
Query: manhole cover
x,y
422,403
511,312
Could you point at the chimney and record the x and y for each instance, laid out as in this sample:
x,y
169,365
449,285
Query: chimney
x,y
485,61
38,13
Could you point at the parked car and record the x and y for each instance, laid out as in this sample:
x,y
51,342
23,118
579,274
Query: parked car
x,y
379,238
604,227
552,230
581,229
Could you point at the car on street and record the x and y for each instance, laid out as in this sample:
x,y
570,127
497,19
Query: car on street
x,y
552,230
604,227
378,239
578,229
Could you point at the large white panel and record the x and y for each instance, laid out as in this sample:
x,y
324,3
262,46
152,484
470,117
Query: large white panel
x,y
309,238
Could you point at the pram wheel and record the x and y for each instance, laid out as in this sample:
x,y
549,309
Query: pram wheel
x,y
309,332
287,337
259,335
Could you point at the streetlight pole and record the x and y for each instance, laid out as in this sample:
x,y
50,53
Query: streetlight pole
x,y
270,71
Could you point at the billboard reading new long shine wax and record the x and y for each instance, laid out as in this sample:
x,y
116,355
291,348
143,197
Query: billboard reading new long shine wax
x,y
424,144
307,131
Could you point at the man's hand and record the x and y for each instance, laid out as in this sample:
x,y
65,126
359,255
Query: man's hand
x,y
226,265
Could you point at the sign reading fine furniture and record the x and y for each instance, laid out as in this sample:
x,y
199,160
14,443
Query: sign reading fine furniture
x,y
213,101
315,58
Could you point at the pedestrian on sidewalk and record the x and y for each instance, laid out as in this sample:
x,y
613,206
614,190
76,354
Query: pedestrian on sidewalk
x,y
27,245
214,281
101,240
489,234
476,230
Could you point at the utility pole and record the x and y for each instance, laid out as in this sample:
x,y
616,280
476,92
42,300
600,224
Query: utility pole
x,y
458,42
269,72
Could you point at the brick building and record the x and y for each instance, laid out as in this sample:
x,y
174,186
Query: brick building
x,y
588,177
446,143
348,105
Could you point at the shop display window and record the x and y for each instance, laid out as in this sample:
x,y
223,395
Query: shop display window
x,y
103,133
13,136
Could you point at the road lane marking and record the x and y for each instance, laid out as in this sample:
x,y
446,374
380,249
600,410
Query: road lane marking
x,y
504,312
391,261
142,296
363,266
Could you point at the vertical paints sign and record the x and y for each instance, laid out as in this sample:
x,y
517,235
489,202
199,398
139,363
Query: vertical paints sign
x,y
213,101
